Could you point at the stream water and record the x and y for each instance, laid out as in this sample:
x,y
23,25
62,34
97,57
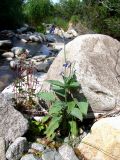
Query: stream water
x,y
7,75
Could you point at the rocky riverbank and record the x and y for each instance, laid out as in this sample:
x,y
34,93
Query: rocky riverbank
x,y
96,60
14,43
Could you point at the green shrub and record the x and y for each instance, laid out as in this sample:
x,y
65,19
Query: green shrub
x,y
10,14
38,10
58,21
66,110
75,19
113,26
40,28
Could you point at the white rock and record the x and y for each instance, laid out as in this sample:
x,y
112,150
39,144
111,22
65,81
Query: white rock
x,y
13,64
24,40
103,142
67,35
57,46
9,59
8,54
38,118
73,32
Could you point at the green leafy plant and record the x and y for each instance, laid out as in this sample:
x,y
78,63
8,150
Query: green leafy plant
x,y
36,129
66,110
40,28
75,19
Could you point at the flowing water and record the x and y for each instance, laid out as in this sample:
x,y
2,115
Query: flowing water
x,y
7,75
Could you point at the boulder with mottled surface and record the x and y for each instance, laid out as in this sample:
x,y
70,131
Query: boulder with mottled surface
x,y
2,148
12,122
97,66
103,142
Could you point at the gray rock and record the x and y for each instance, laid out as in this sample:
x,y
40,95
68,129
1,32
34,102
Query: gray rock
x,y
7,34
42,66
38,147
5,44
40,57
22,29
44,50
12,122
97,66
17,149
2,149
35,38
57,46
42,36
30,157
67,152
8,54
24,36
18,50
49,154
50,38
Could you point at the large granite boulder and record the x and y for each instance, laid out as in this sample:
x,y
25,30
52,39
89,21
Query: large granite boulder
x,y
2,149
12,122
97,66
103,142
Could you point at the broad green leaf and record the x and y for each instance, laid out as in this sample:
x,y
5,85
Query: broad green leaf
x,y
59,91
74,85
47,96
73,128
77,113
83,107
52,135
53,125
56,83
70,79
55,109
70,105
45,118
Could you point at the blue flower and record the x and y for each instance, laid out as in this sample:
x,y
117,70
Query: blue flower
x,y
67,64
